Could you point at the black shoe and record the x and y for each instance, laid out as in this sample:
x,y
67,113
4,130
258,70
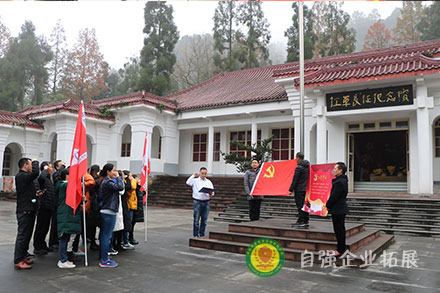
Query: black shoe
x,y
54,246
94,246
49,249
70,256
133,242
40,251
29,255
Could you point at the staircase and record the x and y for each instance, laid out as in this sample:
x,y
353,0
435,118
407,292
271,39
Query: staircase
x,y
381,186
172,192
318,237
419,217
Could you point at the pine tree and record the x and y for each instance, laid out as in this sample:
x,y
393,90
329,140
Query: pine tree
x,y
292,34
83,77
253,52
378,37
157,56
23,72
406,31
429,26
5,38
225,36
331,28
58,43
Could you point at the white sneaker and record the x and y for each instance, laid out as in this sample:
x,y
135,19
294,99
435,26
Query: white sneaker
x,y
127,246
66,265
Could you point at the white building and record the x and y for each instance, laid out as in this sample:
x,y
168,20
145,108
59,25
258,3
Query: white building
x,y
377,110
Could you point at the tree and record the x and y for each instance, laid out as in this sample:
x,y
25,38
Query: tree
x,y
361,23
157,56
130,75
83,77
262,153
429,26
292,34
253,52
331,29
57,42
195,62
225,36
5,38
378,37
23,73
406,31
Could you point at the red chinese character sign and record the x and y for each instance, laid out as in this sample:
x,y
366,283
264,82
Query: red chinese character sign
x,y
318,189
274,178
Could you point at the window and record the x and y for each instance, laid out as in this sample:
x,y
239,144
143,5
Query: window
x,y
160,147
199,147
436,138
217,146
125,150
283,144
243,137
7,162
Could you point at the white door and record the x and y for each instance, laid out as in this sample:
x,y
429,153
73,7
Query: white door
x,y
350,161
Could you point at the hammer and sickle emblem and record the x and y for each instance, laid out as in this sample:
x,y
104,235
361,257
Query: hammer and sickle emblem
x,y
270,172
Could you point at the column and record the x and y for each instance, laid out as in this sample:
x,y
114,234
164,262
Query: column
x,y
210,148
424,140
254,134
65,129
321,129
138,130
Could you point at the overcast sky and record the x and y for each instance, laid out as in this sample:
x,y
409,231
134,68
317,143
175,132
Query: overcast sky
x,y
119,25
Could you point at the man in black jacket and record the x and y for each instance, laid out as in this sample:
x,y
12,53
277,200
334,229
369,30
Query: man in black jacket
x,y
26,210
298,187
45,210
59,166
337,205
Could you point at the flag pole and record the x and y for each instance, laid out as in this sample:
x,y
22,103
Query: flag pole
x,y
145,211
86,263
301,73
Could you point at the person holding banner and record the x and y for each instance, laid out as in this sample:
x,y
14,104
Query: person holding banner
x,y
337,205
254,201
200,200
298,187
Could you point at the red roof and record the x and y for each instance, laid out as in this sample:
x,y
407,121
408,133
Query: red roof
x,y
17,119
376,64
134,98
231,88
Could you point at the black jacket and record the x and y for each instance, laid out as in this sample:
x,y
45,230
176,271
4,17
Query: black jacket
x,y
25,189
48,201
125,211
56,176
299,181
110,193
337,202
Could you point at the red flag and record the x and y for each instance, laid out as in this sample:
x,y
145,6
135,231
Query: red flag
x,y
319,186
274,178
78,162
145,167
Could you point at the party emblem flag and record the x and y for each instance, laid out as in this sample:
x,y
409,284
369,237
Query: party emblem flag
x,y
274,178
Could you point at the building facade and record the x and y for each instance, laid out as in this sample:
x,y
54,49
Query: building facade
x,y
378,111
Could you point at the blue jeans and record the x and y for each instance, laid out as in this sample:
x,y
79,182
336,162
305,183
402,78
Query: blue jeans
x,y
62,247
105,235
201,212
126,234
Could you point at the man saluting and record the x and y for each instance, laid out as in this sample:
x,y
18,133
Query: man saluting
x,y
200,200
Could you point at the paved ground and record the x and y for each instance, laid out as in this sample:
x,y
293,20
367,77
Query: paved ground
x,y
167,264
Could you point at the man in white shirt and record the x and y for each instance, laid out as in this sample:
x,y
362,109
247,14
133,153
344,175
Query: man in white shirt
x,y
200,200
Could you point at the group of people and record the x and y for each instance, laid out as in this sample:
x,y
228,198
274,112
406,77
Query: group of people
x,y
202,190
113,203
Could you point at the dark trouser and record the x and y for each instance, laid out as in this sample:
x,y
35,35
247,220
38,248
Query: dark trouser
x,y
76,241
339,228
25,221
92,223
201,213
303,217
42,228
254,209
53,236
131,233
62,250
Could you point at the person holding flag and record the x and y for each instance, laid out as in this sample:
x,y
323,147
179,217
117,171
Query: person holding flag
x,y
298,187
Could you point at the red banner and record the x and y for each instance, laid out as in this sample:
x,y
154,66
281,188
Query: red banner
x,y
274,178
319,186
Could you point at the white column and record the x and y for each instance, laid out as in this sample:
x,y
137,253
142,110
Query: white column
x,y
424,130
2,152
210,149
297,134
138,130
321,130
254,134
